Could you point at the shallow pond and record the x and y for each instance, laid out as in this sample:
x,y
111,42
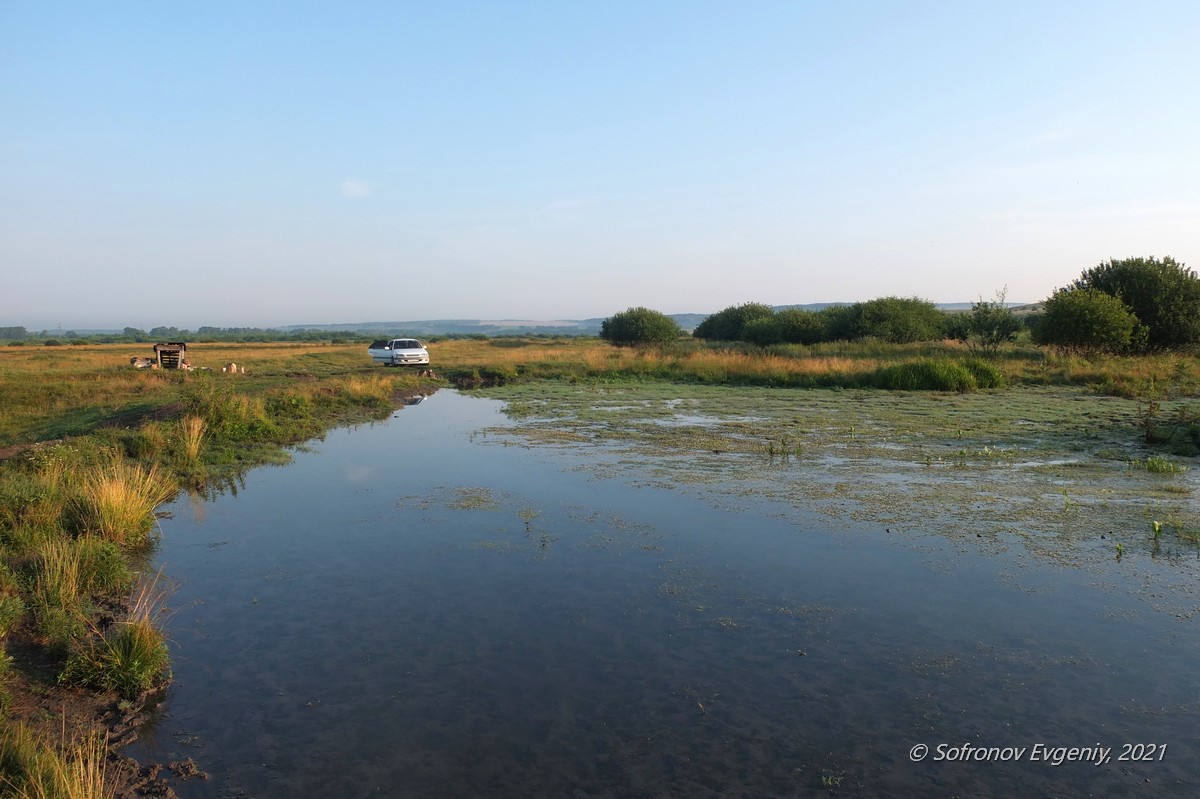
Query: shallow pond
x,y
426,608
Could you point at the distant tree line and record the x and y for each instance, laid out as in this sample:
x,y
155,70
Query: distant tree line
x,y
894,319
1135,305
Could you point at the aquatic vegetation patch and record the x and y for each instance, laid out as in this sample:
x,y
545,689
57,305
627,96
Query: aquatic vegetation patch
x,y
473,498
1038,465
1158,464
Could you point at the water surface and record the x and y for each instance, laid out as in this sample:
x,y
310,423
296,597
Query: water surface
x,y
417,608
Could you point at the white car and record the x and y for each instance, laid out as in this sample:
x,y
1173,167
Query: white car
x,y
399,352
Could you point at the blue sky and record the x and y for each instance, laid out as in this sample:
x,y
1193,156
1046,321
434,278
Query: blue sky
x,y
257,163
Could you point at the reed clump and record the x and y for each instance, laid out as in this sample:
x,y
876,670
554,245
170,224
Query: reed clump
x,y
191,437
56,593
32,768
131,656
937,374
63,576
116,500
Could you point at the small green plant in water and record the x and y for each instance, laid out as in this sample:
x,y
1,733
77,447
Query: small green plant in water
x,y
832,780
1160,465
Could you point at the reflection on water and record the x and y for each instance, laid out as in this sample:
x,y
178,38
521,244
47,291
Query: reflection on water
x,y
415,609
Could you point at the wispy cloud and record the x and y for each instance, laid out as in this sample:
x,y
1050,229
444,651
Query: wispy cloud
x,y
355,188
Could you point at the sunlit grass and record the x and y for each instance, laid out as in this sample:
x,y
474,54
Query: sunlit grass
x,y
191,435
117,499
31,768
131,656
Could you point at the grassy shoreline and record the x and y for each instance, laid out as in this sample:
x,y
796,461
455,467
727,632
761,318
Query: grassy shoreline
x,y
90,447
93,448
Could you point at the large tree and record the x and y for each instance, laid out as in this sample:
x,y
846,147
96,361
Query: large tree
x,y
639,326
1163,295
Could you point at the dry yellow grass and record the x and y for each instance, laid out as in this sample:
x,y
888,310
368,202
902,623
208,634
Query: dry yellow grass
x,y
191,435
117,499
37,769
374,386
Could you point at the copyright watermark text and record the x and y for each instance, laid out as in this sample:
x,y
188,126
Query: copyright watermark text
x,y
1097,755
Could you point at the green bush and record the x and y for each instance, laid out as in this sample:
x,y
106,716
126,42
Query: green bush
x,y
798,326
988,325
898,320
730,323
1087,320
1163,295
763,331
639,326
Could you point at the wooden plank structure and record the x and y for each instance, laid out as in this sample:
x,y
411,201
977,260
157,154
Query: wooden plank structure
x,y
171,354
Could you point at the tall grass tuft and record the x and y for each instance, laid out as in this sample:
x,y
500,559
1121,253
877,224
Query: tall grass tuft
x,y
32,500
926,375
131,657
62,574
191,434
54,574
986,374
34,769
56,593
117,499
12,608
103,568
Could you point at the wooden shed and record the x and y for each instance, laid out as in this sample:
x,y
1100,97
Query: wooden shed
x,y
170,355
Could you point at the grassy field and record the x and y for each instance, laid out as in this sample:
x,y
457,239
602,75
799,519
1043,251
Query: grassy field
x,y
51,392
77,511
